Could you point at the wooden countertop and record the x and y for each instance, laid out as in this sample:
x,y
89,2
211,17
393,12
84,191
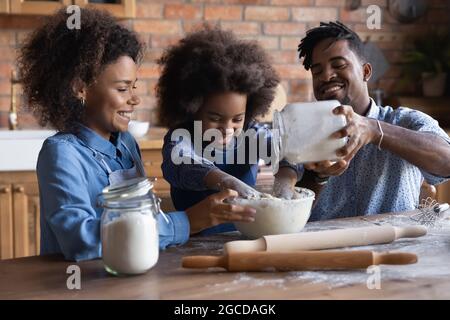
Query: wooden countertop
x,y
45,277
154,138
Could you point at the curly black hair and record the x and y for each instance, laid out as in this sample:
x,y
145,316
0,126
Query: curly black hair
x,y
337,31
210,61
54,56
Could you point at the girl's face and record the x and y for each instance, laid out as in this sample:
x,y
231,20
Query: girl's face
x,y
225,112
110,101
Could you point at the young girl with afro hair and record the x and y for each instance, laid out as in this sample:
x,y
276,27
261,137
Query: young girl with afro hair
x,y
211,81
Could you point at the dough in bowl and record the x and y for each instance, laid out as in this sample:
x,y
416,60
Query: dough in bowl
x,y
276,216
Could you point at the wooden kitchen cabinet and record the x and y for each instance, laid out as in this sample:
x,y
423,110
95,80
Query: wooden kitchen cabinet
x,y
19,215
119,8
151,153
33,7
152,159
4,6
6,223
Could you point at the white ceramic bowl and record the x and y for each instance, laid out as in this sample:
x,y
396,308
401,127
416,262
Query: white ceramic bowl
x,y
138,128
276,216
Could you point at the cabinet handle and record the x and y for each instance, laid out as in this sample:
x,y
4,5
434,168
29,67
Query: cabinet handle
x,y
5,190
19,189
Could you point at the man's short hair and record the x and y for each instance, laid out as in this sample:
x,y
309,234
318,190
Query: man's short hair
x,y
335,30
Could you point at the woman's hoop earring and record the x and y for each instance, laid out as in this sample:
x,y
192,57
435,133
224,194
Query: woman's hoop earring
x,y
83,102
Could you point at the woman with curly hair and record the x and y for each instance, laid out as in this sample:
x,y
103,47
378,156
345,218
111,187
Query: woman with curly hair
x,y
211,81
82,82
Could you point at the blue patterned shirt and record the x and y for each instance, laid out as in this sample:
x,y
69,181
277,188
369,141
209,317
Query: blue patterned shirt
x,y
379,181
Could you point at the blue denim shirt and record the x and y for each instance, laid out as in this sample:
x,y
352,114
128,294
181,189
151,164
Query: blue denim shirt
x,y
70,179
379,181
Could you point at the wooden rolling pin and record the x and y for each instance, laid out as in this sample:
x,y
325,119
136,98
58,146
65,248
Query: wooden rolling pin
x,y
296,261
329,239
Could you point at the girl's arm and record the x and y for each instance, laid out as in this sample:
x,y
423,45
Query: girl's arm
x,y
182,167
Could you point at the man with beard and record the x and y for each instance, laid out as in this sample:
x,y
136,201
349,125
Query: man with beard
x,y
389,152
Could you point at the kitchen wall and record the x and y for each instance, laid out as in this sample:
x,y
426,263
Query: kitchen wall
x,y
277,24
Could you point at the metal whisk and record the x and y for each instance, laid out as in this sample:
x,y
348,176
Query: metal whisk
x,y
429,212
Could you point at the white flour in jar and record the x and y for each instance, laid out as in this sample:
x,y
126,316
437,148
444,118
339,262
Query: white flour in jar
x,y
130,243
305,130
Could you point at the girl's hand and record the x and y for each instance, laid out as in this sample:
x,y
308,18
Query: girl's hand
x,y
243,189
284,189
214,210
218,180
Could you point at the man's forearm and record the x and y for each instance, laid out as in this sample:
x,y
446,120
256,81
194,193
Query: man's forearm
x,y
427,151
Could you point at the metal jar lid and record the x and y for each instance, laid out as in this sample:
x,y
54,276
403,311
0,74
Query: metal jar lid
x,y
133,193
128,189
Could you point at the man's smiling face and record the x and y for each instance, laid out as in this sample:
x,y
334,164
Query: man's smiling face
x,y
338,73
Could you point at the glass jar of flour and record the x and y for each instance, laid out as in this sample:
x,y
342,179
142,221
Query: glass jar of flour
x,y
129,232
302,132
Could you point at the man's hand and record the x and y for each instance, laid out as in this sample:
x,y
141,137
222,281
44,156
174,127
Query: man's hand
x,y
328,168
359,130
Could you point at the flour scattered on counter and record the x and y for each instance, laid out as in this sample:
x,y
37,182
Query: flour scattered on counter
x,y
245,277
251,280
433,251
213,244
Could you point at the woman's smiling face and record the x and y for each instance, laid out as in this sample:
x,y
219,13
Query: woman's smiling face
x,y
110,101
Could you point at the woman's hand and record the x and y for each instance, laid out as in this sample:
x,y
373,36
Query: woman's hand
x,y
213,210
